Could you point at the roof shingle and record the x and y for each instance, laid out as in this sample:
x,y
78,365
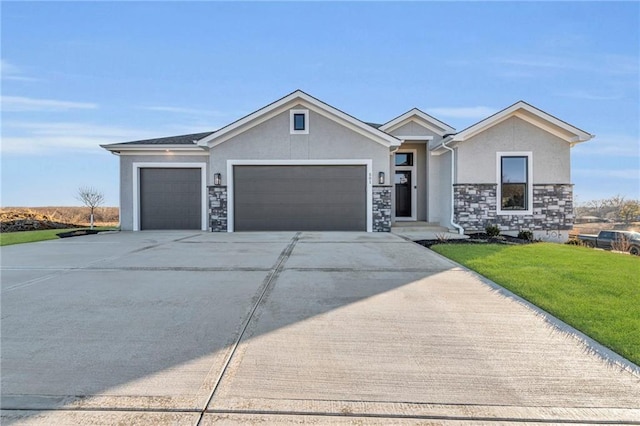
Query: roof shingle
x,y
170,140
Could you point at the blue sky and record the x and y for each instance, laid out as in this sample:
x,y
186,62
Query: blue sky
x,y
79,74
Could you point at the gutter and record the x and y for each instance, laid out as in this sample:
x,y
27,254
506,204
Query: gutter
x,y
451,220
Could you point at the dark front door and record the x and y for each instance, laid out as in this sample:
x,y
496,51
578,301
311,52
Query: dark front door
x,y
403,193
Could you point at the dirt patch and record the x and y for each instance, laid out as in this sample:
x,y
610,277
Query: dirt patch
x,y
17,219
479,238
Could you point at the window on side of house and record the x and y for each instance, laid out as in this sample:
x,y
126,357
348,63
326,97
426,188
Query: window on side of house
x,y
514,183
299,121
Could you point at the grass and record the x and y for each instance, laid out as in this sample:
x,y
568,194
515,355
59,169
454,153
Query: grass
x,y
596,292
9,238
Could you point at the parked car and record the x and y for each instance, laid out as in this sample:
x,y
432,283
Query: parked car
x,y
608,240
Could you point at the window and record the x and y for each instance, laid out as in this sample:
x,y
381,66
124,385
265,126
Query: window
x,y
299,121
404,159
514,183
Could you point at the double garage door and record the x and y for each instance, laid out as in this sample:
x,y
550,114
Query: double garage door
x,y
300,198
265,198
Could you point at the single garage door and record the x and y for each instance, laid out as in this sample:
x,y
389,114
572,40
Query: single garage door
x,y
170,198
300,198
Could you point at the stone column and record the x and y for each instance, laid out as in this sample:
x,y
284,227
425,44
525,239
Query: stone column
x,y
382,208
218,208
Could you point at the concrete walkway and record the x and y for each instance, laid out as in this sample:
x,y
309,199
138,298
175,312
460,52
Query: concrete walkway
x,y
282,328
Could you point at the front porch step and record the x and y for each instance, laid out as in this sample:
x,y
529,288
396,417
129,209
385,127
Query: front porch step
x,y
400,227
424,231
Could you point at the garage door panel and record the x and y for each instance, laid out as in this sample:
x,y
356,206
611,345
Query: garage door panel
x,y
304,210
170,198
301,198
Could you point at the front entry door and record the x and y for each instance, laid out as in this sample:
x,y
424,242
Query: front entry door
x,y
404,188
405,185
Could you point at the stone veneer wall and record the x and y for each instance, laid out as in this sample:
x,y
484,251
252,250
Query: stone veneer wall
x,y
475,207
382,209
218,208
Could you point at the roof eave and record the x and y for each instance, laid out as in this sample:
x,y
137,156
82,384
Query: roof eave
x,y
116,147
264,113
434,122
512,110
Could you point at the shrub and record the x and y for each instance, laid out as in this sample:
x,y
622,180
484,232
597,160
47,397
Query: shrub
x,y
621,244
525,235
492,230
442,237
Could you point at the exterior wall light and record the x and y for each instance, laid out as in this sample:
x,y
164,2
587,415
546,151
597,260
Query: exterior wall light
x,y
217,179
381,178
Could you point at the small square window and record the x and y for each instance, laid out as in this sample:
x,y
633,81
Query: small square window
x,y
299,122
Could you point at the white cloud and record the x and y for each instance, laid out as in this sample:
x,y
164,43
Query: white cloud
x,y
181,110
477,112
609,145
9,71
537,62
44,138
583,94
632,174
22,104
607,64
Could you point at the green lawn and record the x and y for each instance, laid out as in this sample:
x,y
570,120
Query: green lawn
x,y
8,238
595,291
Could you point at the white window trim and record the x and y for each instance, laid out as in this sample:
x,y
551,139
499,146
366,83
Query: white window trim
x,y
414,182
529,156
230,180
136,188
292,113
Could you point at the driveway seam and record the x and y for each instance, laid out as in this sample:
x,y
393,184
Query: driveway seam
x,y
269,280
464,418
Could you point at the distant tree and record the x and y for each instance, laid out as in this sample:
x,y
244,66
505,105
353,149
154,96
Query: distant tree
x,y
614,203
91,198
629,211
596,207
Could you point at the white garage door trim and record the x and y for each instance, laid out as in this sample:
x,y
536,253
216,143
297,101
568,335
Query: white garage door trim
x,y
136,188
231,163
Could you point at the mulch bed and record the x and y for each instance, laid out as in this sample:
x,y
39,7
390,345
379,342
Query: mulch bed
x,y
77,233
480,238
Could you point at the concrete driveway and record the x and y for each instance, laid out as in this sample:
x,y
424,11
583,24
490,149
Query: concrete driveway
x,y
282,328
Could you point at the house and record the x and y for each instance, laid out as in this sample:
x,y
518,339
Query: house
x,y
301,164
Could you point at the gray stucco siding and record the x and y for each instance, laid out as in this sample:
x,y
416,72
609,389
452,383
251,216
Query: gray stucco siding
x,y
477,156
444,193
126,179
414,129
271,140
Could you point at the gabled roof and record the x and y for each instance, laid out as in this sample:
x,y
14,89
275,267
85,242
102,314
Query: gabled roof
x,y
297,97
532,115
182,142
421,118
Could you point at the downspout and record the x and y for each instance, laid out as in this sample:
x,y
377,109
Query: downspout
x,y
455,225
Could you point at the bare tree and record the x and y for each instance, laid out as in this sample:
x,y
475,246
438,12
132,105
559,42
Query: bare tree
x,y
629,211
91,198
